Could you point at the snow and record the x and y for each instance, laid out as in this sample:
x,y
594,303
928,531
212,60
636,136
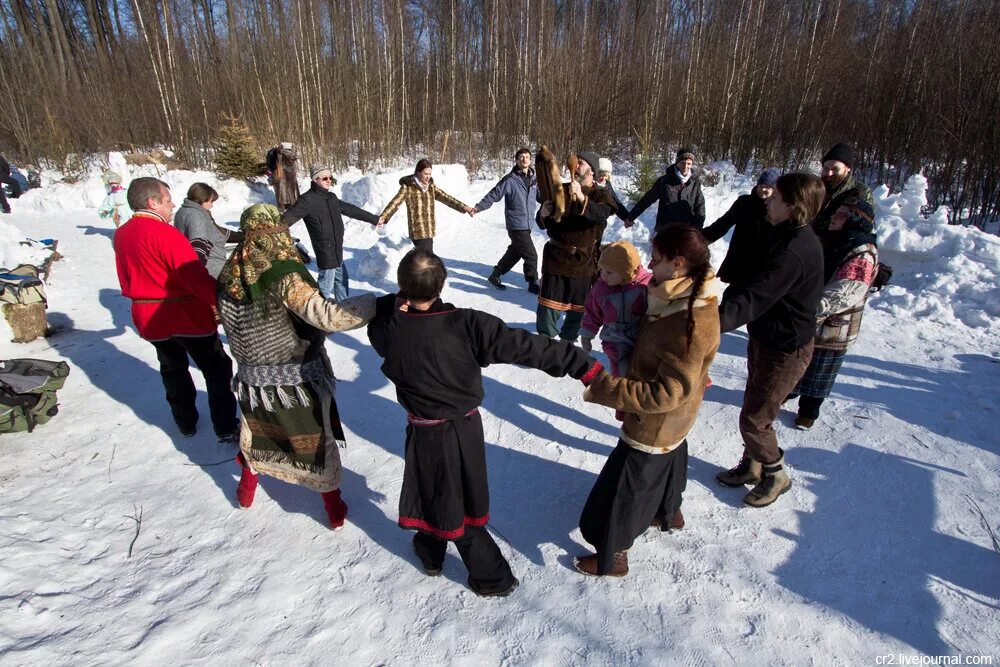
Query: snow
x,y
877,549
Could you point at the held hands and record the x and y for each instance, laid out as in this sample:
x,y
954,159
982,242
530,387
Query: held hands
x,y
471,211
628,223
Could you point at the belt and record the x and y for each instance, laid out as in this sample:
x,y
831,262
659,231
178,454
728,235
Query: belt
x,y
421,421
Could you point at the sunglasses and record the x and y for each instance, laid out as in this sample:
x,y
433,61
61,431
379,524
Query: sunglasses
x,y
325,178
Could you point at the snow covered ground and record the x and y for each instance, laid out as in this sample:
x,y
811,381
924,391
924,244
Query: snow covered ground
x,y
878,548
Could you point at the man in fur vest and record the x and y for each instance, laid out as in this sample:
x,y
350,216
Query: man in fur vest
x,y
569,259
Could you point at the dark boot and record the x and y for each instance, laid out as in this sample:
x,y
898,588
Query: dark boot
x,y
494,279
676,523
248,484
496,594
747,471
336,508
774,482
588,565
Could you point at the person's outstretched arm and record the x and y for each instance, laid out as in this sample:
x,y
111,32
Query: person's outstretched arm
x,y
306,301
394,204
647,199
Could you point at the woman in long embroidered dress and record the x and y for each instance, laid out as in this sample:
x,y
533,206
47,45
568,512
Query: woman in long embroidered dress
x,y
276,321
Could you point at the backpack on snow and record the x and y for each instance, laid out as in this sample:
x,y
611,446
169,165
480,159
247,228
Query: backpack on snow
x,y
21,285
883,276
28,393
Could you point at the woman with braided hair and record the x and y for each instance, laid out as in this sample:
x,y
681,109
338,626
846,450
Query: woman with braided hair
x,y
643,479
276,321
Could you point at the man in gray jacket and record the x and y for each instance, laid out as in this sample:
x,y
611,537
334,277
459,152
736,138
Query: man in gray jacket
x,y
518,189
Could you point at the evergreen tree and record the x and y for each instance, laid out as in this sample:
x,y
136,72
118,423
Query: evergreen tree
x,y
236,156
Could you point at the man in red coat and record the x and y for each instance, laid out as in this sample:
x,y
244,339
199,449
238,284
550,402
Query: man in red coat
x,y
173,307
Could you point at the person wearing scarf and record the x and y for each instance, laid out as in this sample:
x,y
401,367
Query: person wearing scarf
x,y
850,261
276,321
643,479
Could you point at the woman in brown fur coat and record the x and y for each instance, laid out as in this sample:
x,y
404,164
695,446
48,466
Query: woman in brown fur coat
x,y
419,192
642,480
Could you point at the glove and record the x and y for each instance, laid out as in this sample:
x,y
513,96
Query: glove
x,y
587,344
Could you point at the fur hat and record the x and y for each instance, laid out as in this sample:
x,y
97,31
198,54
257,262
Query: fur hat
x,y
110,177
590,158
317,169
620,257
769,177
684,154
604,165
287,145
841,153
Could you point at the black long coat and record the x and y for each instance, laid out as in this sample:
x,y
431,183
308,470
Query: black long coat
x,y
322,211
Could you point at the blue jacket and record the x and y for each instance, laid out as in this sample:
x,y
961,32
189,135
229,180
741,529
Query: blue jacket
x,y
519,193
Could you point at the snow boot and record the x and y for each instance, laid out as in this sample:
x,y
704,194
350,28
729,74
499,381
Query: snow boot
x,y
676,523
497,594
248,483
804,423
494,279
588,565
747,471
336,508
774,482
533,286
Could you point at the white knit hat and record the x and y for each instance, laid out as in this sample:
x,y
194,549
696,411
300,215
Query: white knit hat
x,y
604,164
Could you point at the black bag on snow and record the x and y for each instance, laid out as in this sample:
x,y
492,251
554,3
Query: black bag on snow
x,y
28,392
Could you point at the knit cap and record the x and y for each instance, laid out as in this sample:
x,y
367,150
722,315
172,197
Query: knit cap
x,y
604,164
684,154
590,158
317,169
620,257
769,177
841,153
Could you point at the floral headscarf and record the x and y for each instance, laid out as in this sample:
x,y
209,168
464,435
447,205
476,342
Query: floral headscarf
x,y
266,254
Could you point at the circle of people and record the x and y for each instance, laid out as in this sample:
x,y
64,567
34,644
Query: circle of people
x,y
800,263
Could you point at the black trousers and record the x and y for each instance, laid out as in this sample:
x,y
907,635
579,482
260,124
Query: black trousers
x,y
489,571
15,192
214,364
424,244
520,248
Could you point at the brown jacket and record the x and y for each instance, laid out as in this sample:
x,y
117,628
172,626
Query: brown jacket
x,y
574,241
666,381
420,206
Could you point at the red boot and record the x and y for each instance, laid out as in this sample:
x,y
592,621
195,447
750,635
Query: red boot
x,y
336,508
248,483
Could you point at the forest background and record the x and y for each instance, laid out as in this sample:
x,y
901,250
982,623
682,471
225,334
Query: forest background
x,y
912,84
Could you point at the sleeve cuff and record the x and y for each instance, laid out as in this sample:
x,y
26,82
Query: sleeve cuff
x,y
592,373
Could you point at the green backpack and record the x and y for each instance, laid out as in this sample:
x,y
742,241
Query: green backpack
x,y
28,392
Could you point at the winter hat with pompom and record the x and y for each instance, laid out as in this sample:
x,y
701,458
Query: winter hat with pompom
x,y
622,258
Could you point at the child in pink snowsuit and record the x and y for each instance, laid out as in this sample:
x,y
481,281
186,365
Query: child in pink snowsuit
x,y
616,304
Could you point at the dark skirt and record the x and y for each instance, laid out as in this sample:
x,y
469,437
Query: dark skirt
x,y
633,489
444,478
821,374
561,293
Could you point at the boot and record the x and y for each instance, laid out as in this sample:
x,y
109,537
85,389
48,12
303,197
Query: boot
x,y
747,471
494,279
676,523
774,482
588,565
248,484
336,508
496,594
804,423
533,286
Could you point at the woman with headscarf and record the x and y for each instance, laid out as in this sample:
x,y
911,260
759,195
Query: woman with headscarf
x,y
276,321
850,261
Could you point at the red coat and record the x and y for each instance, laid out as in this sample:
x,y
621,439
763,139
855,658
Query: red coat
x,y
172,293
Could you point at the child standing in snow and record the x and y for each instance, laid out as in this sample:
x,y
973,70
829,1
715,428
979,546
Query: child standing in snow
x,y
434,352
616,305
115,205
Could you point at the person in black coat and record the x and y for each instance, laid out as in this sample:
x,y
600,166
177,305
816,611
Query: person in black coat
x,y
434,353
778,303
748,215
6,178
679,194
322,210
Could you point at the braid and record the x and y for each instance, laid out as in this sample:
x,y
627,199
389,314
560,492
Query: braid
x,y
699,280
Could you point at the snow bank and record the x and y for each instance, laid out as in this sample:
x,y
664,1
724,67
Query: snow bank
x,y
16,249
379,263
944,272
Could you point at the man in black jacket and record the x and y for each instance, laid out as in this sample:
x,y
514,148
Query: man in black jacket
x,y
679,193
322,210
748,215
778,304
15,187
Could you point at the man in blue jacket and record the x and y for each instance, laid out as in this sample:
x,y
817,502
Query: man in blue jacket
x,y
518,189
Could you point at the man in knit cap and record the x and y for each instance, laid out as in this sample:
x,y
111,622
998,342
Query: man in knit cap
x,y
841,185
679,195
748,215
569,259
322,211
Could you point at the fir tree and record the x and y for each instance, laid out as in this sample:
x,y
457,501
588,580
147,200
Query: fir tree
x,y
235,155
